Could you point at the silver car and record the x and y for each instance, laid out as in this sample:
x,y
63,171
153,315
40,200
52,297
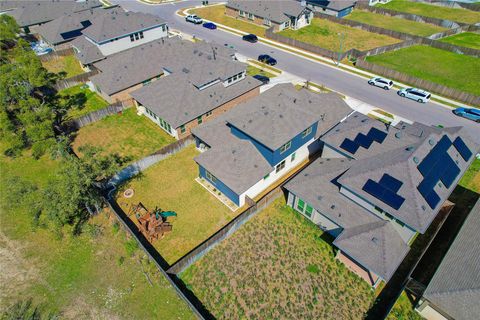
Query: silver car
x,y
416,94
381,82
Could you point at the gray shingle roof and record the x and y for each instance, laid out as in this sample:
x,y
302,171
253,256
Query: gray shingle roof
x,y
124,69
336,5
87,51
56,31
283,112
401,163
376,245
455,287
175,98
118,23
276,11
28,12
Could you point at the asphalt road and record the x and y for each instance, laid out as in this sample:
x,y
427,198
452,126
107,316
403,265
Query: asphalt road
x,y
336,79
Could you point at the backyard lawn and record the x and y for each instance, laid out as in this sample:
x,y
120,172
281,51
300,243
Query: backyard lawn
x,y
325,34
82,277
252,71
394,23
171,186
69,64
90,100
465,39
403,310
127,134
217,14
277,266
471,179
447,68
423,9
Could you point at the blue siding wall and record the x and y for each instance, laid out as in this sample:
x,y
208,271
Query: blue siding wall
x,y
344,12
274,157
220,186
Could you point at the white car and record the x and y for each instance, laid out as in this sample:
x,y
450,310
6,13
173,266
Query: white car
x,y
416,94
193,18
381,82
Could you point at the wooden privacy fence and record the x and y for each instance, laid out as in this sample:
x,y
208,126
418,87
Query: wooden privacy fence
x,y
223,233
73,81
56,54
424,84
97,115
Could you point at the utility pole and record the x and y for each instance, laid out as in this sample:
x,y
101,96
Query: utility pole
x,y
341,37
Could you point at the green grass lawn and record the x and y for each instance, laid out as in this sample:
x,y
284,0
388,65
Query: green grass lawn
x,y
252,71
394,23
447,68
324,34
81,277
465,39
127,134
277,266
92,101
69,64
403,310
471,179
423,9
171,186
217,14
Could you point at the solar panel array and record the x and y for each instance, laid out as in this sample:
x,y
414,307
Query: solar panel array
x,y
439,166
386,190
362,140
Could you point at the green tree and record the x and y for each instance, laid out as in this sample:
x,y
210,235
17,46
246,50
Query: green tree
x,y
8,30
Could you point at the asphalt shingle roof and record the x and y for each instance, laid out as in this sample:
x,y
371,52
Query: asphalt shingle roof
x,y
336,5
88,52
276,11
455,286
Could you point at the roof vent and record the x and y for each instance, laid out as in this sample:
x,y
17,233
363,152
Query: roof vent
x,y
280,116
398,135
375,240
424,208
319,198
332,207
416,160
364,120
431,142
410,148
185,70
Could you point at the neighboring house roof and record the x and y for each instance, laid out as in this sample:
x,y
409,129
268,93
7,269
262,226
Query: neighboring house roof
x,y
276,11
416,174
241,172
455,286
28,13
63,28
124,69
175,98
87,52
284,113
377,246
370,240
117,23
335,5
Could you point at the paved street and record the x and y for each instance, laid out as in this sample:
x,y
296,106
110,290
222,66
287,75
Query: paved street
x,y
336,79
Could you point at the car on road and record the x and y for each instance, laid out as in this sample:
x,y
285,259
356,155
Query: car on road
x,y
250,38
416,94
381,82
193,18
265,58
210,25
468,113
261,78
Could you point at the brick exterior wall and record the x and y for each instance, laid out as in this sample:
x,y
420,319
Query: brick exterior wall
x,y
218,111
365,274
257,20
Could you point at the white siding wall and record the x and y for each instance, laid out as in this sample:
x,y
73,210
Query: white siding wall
x,y
302,21
125,43
428,312
142,111
300,155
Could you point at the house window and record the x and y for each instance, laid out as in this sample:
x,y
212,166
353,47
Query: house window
x,y
306,132
286,146
241,13
293,157
136,36
300,205
251,16
210,176
141,34
267,22
182,128
280,166
287,23
208,114
308,211
131,38
267,176
199,120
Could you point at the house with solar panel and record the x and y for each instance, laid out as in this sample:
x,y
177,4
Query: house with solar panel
x,y
376,186
254,145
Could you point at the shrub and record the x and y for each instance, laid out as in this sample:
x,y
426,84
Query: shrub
x,y
131,246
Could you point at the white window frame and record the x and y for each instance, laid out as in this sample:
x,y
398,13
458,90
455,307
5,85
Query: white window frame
x,y
306,132
210,176
286,146
280,166
251,16
267,22
241,13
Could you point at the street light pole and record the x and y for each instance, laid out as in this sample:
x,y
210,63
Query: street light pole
x,y
342,39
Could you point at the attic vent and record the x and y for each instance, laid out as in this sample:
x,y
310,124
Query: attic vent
x,y
364,120
431,142
332,207
319,198
355,116
255,166
265,113
250,121
424,208
195,51
280,116
233,151
416,160
294,100
375,240
409,148
185,70
398,135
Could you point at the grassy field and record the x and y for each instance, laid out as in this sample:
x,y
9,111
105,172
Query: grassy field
x,y
171,186
423,9
403,310
217,14
471,179
82,277
127,134
447,68
324,34
252,71
69,64
277,266
92,101
465,39
394,23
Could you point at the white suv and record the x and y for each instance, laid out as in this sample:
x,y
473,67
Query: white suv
x,y
381,82
416,94
194,19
